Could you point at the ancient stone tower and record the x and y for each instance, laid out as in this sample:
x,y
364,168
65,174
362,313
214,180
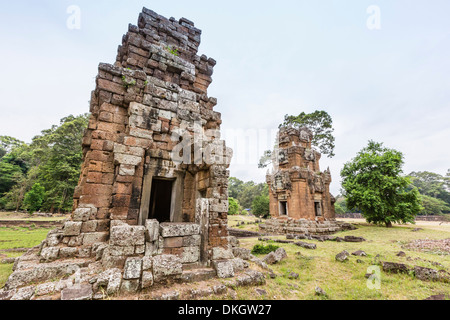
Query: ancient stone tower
x,y
152,199
300,200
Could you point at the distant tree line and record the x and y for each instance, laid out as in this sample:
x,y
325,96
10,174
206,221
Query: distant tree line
x,y
43,174
248,196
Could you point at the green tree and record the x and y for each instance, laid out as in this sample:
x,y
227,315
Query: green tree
x,y
59,153
7,144
341,205
245,192
432,206
34,198
235,187
372,182
321,125
431,184
53,160
261,206
233,207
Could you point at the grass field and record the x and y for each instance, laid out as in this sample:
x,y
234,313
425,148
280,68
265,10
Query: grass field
x,y
12,216
346,281
17,238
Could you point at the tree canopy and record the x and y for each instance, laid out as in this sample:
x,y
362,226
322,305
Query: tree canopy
x,y
372,182
51,162
321,125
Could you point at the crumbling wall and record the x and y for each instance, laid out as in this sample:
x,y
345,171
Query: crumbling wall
x,y
151,117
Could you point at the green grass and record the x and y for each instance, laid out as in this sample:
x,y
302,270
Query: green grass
x,y
346,281
235,223
13,238
11,216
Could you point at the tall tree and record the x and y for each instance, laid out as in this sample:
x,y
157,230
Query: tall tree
x,y
53,160
321,125
60,155
372,182
431,184
7,144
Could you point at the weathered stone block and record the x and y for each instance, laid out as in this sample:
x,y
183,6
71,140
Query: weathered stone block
x,y
147,279
91,238
275,257
133,269
81,214
224,268
45,288
190,255
50,254
151,230
129,286
24,293
176,242
192,241
168,230
127,235
238,264
68,252
219,253
77,292
242,253
166,265
72,228
147,263
151,248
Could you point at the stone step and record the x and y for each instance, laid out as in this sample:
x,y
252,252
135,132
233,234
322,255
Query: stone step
x,y
197,275
32,271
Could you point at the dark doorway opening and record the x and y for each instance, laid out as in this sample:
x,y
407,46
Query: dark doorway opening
x,y
283,208
161,200
318,208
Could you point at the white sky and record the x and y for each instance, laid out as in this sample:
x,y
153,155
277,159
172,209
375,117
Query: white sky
x,y
274,58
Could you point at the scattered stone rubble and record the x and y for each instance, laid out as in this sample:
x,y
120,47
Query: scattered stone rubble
x,y
436,246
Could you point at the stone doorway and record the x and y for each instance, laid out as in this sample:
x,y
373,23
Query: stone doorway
x,y
318,209
161,200
283,208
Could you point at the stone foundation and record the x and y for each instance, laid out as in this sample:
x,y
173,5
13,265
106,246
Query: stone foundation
x,y
303,227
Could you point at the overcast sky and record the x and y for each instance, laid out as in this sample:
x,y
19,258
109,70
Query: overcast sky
x,y
388,82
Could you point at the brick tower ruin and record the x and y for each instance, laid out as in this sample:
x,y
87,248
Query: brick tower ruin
x,y
152,199
300,199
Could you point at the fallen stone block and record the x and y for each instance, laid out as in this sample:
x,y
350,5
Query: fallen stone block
x,y
392,267
275,257
305,245
224,268
77,292
342,256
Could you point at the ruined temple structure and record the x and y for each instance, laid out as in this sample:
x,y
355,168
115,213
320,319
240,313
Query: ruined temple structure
x,y
300,199
152,200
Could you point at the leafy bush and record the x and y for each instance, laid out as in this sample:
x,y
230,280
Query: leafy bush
x,y
262,249
34,198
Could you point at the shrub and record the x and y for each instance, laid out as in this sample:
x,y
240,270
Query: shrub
x,y
262,249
